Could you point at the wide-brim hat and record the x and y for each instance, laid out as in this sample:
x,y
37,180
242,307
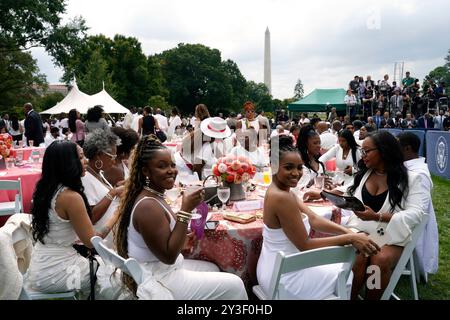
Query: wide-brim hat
x,y
215,127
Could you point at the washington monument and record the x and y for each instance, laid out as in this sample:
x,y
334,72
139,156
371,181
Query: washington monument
x,y
267,62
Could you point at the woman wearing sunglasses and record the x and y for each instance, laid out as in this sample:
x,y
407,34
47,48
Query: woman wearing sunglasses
x,y
392,200
100,148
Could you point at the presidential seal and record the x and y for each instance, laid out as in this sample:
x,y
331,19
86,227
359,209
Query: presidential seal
x,y
441,154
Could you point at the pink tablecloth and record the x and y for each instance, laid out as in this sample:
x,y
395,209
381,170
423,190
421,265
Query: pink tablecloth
x,y
27,151
29,176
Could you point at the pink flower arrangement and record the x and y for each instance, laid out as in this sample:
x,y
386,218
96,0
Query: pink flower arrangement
x,y
5,145
234,169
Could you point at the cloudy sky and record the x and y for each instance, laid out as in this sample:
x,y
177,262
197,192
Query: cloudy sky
x,y
323,43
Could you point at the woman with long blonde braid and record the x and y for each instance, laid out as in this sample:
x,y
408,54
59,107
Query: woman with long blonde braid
x,y
151,233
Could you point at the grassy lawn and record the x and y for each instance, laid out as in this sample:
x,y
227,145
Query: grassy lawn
x,y
438,286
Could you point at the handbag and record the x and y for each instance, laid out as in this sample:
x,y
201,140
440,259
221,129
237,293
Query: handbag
x,y
211,197
161,135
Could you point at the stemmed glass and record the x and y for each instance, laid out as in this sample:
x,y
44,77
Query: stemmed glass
x,y
223,193
173,194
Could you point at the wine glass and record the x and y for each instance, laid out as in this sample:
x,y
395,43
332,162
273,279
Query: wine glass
x,y
319,182
184,178
223,193
173,194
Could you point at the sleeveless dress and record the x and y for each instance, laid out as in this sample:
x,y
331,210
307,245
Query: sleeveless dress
x,y
183,280
314,283
56,266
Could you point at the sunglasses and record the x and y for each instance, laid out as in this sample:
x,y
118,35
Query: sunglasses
x,y
112,156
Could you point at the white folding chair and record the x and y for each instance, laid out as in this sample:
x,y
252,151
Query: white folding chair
x,y
405,265
11,207
307,259
130,266
30,294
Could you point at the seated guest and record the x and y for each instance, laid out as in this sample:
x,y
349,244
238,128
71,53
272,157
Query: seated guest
x,y
279,130
393,200
363,132
61,216
154,235
100,148
248,147
347,155
54,135
308,145
427,247
294,132
119,170
287,223
327,139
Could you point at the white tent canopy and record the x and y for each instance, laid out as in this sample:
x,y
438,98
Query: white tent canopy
x,y
76,99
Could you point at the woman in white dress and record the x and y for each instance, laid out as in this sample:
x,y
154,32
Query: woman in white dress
x,y
151,233
347,155
100,147
119,172
61,216
287,229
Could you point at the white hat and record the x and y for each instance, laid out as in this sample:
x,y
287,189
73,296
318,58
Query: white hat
x,y
215,128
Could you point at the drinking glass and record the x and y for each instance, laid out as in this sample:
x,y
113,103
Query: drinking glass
x,y
191,189
319,182
30,143
173,194
267,176
223,193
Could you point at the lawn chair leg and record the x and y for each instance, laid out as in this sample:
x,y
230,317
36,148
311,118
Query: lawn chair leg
x,y
413,278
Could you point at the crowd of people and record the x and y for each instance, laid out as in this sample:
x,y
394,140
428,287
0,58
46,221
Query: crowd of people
x,y
109,178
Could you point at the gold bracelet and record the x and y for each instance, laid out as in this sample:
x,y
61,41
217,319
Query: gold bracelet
x,y
183,220
381,217
184,214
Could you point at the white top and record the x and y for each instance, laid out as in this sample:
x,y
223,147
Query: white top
x,y
350,100
162,122
173,123
64,123
135,122
95,191
205,154
137,248
327,140
403,221
427,247
276,133
312,283
254,123
221,147
341,163
258,157
49,139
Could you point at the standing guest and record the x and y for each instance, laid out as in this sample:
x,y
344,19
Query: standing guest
x,y
264,124
60,219
396,103
7,122
250,120
128,119
287,223
95,120
392,198
76,126
135,121
282,117
438,120
333,115
303,119
427,247
148,123
446,124
174,122
201,113
161,120
378,119
231,121
16,130
100,147
33,126
351,102
154,235
119,170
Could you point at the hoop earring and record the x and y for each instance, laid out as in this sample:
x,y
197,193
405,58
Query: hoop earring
x,y
98,164
147,181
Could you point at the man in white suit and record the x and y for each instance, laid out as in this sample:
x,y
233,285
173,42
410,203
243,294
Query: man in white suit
x,y
427,247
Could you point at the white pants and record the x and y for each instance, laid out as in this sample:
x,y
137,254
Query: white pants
x,y
199,280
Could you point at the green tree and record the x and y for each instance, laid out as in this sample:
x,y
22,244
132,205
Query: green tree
x,y
439,74
259,94
47,101
298,90
196,74
157,82
38,23
159,102
19,79
97,76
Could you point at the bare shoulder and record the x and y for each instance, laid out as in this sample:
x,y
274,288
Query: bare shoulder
x,y
148,208
69,196
279,198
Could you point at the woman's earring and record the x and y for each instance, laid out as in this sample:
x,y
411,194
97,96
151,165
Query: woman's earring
x,y
147,181
98,164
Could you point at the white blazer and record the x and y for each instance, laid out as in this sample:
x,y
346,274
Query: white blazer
x,y
403,221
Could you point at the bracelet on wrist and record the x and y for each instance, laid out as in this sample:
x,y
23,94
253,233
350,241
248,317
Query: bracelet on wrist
x,y
380,218
109,196
183,220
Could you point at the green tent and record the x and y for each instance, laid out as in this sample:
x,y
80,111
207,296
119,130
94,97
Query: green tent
x,y
318,100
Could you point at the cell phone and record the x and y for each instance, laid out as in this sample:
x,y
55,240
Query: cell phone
x,y
211,225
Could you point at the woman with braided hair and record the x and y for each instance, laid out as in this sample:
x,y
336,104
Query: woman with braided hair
x,y
149,231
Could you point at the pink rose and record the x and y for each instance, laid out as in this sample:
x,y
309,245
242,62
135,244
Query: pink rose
x,y
222,167
236,165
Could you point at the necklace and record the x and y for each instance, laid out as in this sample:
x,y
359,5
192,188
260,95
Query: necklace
x,y
382,173
159,194
100,177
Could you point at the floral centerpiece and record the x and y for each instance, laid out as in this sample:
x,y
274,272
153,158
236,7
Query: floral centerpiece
x,y
233,171
6,142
